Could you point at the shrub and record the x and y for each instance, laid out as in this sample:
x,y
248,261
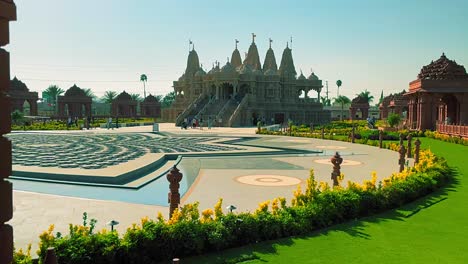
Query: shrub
x,y
393,120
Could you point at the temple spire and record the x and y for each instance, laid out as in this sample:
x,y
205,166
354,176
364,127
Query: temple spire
x,y
237,41
253,37
270,42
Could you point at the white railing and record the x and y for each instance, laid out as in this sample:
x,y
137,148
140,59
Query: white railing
x,y
188,109
238,110
221,112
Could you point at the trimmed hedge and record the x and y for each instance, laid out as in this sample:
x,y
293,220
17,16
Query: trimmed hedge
x,y
190,233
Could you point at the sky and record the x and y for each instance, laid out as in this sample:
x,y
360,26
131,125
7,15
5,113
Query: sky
x,y
377,45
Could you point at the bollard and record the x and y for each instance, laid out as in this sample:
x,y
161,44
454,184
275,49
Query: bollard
x,y
417,145
50,257
352,134
380,138
408,151
323,133
402,137
336,161
174,177
401,161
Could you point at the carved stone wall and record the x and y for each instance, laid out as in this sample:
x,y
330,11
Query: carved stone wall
x,y
7,13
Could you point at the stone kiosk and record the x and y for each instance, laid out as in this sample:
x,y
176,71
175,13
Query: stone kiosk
x,y
75,103
439,95
150,107
19,93
7,13
394,103
359,103
124,106
241,93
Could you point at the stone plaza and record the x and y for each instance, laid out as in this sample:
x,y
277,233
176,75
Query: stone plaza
x,y
230,163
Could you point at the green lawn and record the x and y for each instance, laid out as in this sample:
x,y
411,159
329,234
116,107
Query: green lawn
x,y
433,229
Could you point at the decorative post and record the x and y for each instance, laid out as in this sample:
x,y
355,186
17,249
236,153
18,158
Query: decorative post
x,y
402,137
417,145
336,161
380,138
352,134
51,257
323,132
408,151
7,13
174,177
401,161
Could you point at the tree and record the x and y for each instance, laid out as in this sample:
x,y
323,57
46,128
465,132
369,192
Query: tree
x,y
366,95
326,101
338,83
52,93
17,116
393,119
168,99
158,98
90,93
381,99
144,79
108,97
342,100
136,97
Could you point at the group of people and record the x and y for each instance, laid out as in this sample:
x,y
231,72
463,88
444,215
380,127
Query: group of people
x,y
194,123
87,122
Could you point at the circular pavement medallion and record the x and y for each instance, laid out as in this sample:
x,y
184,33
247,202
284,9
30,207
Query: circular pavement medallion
x,y
331,147
268,180
345,162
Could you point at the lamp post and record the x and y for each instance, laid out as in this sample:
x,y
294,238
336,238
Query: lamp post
x,y
231,208
112,223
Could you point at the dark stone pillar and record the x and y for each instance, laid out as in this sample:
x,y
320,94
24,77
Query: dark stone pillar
x,y
7,13
174,177
353,132
336,161
380,138
417,145
409,154
401,160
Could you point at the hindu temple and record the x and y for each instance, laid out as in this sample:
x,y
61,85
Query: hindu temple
x,y
243,92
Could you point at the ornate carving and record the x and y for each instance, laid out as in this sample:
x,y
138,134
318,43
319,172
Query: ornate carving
x,y
174,177
443,69
336,161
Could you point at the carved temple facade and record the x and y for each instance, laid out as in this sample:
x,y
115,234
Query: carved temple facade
x,y
7,14
75,103
438,96
241,93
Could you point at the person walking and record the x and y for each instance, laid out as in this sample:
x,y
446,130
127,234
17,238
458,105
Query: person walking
x,y
109,123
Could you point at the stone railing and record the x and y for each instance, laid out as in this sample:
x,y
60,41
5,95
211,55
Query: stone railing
x,y
453,130
225,106
187,110
236,113
202,111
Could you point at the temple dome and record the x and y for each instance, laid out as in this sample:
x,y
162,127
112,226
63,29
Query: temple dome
x,y
287,63
150,99
123,96
313,77
228,68
270,61
236,60
75,91
443,69
18,85
253,59
193,63
301,77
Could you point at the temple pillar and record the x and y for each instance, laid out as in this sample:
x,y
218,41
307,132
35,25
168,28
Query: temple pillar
x,y
7,13
33,107
365,113
463,110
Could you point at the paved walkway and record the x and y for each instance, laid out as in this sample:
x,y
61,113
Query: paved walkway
x,y
241,181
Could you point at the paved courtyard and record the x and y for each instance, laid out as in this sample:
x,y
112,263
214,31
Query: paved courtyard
x,y
233,163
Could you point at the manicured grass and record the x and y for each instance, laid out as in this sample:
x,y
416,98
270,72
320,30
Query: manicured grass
x,y
433,229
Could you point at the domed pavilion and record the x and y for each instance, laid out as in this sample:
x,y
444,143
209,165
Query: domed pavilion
x,y
74,103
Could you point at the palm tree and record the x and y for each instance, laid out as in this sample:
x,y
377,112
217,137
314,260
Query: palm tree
x,y
17,116
108,97
366,95
144,79
90,93
326,101
159,98
136,97
338,83
168,99
342,100
52,93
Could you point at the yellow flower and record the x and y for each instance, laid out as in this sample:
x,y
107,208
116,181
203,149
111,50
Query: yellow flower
x,y
218,209
207,215
176,216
